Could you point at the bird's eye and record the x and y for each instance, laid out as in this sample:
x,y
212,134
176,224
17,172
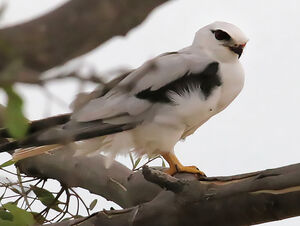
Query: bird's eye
x,y
221,35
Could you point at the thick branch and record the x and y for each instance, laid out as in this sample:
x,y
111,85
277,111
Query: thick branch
x,y
70,31
117,183
239,200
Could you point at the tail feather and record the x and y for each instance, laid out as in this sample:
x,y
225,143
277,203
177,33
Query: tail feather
x,y
33,151
41,124
53,138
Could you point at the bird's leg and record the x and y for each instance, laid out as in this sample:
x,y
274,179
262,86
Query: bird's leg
x,y
177,167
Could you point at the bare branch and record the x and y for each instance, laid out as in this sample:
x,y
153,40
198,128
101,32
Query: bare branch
x,y
117,183
70,31
238,200
163,180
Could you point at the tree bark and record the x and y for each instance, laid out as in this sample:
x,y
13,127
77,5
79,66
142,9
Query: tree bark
x,y
70,31
117,183
237,200
156,198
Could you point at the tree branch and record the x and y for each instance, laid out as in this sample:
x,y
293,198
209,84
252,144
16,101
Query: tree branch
x,y
70,31
237,200
117,183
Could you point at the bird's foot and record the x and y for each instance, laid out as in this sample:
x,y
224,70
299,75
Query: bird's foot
x,y
184,169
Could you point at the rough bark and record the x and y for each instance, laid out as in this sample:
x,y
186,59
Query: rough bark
x,y
238,200
117,183
234,200
70,31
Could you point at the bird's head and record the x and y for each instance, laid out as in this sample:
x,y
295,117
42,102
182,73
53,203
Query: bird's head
x,y
223,41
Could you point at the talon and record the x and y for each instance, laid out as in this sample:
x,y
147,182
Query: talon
x,y
191,169
177,167
184,169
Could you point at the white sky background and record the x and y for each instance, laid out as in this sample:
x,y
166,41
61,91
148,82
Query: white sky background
x,y
260,129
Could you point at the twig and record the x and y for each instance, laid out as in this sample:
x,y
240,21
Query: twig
x,y
65,211
10,172
83,219
150,160
76,195
46,210
24,194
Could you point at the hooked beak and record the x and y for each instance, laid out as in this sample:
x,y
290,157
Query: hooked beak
x,y
238,49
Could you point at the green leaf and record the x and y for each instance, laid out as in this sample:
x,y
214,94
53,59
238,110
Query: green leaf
x,y
93,204
20,216
136,163
6,223
7,163
46,197
14,119
4,215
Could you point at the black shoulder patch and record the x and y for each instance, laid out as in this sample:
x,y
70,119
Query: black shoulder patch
x,y
209,79
206,81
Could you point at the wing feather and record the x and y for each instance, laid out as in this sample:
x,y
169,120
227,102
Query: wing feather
x,y
68,133
117,107
152,75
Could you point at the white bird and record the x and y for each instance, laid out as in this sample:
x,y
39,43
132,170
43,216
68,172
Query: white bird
x,y
153,107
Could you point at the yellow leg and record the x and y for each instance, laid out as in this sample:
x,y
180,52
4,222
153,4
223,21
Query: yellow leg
x,y
177,167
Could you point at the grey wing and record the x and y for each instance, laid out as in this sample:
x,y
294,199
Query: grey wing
x,y
122,102
119,107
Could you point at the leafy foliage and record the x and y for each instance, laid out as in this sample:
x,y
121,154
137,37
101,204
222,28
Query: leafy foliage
x,y
5,215
46,197
15,216
28,194
93,204
136,162
7,163
14,119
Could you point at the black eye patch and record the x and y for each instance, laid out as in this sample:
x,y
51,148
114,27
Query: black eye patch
x,y
221,35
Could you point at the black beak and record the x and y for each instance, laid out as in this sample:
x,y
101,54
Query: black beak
x,y
237,49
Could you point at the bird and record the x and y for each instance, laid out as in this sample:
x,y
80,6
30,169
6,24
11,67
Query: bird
x,y
149,109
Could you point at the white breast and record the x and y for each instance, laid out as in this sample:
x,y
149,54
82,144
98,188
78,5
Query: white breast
x,y
194,110
232,75
168,123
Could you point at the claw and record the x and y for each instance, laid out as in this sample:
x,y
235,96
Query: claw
x,y
184,169
177,167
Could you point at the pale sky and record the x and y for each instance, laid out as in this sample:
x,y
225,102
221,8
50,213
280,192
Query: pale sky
x,y
260,129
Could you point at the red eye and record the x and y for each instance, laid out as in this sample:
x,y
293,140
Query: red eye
x,y
221,35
